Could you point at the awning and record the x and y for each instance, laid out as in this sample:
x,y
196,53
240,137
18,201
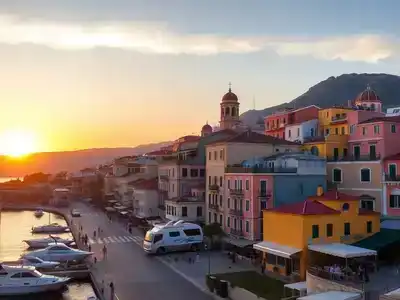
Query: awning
x,y
380,240
395,293
120,207
276,249
332,295
238,242
298,286
342,250
110,209
123,213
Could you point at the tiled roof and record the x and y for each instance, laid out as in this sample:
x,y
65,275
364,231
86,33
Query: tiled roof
x,y
160,152
254,138
395,119
335,195
393,157
362,211
308,207
146,184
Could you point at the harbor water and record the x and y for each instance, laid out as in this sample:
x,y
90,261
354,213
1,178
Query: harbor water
x,y
16,227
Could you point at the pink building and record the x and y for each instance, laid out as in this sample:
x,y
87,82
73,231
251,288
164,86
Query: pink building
x,y
372,139
391,185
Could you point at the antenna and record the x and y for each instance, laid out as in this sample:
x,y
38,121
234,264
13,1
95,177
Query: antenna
x,y
254,102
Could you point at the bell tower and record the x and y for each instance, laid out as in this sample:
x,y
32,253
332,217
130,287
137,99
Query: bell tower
x,y
229,110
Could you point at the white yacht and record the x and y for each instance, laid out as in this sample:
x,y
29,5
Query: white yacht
x,y
32,261
59,252
22,280
44,242
50,228
38,213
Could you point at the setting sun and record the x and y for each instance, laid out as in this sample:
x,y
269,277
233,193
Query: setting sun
x,y
17,143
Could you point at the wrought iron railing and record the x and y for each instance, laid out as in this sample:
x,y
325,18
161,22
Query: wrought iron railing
x,y
240,169
236,212
367,157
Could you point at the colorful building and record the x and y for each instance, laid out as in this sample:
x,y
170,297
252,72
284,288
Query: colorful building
x,y
299,132
326,218
391,186
275,123
266,182
327,146
333,121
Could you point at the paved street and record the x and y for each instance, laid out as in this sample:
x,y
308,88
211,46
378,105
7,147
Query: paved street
x,y
135,274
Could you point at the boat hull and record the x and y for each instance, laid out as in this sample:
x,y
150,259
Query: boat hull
x,y
43,244
17,290
50,230
63,257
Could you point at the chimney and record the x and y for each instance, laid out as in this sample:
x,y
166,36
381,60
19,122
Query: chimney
x,y
320,191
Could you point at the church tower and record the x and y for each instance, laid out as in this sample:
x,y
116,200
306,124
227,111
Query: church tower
x,y
229,110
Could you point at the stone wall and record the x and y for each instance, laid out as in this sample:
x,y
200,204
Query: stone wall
x,y
317,284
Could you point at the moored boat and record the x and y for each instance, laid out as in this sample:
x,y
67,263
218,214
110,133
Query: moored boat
x,y
50,228
44,242
38,213
60,253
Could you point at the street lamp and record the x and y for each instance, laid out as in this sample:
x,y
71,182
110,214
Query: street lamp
x,y
209,259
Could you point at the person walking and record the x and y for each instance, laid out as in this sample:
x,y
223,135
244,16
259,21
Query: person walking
x,y
104,252
94,234
112,290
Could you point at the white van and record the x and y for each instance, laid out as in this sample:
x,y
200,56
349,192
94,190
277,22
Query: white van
x,y
172,236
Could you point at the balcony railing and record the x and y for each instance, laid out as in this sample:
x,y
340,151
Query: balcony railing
x,y
368,157
214,187
392,177
343,279
240,169
238,192
236,212
261,194
213,206
340,118
164,177
236,232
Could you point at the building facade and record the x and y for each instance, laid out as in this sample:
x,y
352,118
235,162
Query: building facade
x,y
391,185
145,198
300,131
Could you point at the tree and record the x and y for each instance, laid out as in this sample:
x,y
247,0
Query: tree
x,y
36,178
213,231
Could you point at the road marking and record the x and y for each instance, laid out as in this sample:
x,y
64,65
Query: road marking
x,y
99,241
91,242
106,240
117,240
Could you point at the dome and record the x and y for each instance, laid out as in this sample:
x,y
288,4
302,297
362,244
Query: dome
x,y
206,128
229,96
368,95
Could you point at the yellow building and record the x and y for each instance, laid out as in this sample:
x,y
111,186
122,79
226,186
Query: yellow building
x,y
327,218
330,146
333,121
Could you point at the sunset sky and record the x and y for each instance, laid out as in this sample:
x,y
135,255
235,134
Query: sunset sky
x,y
100,73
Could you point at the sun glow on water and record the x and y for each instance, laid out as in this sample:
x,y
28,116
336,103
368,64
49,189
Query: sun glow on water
x,y
17,143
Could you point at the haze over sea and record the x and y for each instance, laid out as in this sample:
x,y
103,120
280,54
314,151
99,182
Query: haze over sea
x,y
5,179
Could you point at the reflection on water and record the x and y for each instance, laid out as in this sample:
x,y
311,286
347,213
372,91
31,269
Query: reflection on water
x,y
16,227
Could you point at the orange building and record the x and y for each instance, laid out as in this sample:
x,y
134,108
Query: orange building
x,y
327,218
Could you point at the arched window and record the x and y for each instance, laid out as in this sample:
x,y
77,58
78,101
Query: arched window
x,y
233,111
312,131
314,150
227,111
372,107
365,175
337,175
345,207
222,111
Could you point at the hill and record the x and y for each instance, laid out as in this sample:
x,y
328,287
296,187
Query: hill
x,y
53,162
338,90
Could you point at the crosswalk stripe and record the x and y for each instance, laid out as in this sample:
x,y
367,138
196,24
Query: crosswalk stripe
x,y
99,241
106,240
111,239
91,242
125,238
130,238
120,239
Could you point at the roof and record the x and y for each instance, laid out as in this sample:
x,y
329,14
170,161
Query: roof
x,y
254,138
379,240
229,96
341,250
394,119
276,249
393,157
332,295
334,195
146,184
206,127
307,207
291,110
368,95
160,152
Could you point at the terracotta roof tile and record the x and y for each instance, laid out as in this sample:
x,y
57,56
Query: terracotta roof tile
x,y
308,207
334,195
254,138
393,157
160,152
395,119
146,184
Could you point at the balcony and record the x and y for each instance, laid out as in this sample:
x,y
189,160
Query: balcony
x,y
264,195
236,192
214,187
236,232
240,169
236,212
392,177
339,118
164,177
213,206
367,157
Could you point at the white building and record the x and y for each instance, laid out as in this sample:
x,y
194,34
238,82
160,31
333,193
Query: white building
x,y
61,196
145,198
392,112
299,132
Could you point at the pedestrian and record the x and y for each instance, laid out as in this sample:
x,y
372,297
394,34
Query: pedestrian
x,y
104,252
197,257
112,290
263,267
90,248
99,230
94,234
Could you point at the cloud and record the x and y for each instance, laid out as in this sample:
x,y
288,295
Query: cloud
x,y
158,39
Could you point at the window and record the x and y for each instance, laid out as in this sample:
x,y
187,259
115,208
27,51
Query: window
x,y
199,212
157,238
215,155
376,129
184,172
194,173
352,129
298,132
329,230
327,131
315,231
192,232
209,217
343,131
365,175
393,128
184,211
220,200
369,226
220,219
337,131
27,275
247,205
215,218
173,172
202,172
221,154
347,229
209,198
220,180
394,201
345,207
337,175
289,133
174,233
229,202
247,226
209,155
271,259
229,184
209,180
247,185
228,222
364,130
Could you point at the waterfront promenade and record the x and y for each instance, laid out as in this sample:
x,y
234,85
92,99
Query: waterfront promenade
x,y
135,275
